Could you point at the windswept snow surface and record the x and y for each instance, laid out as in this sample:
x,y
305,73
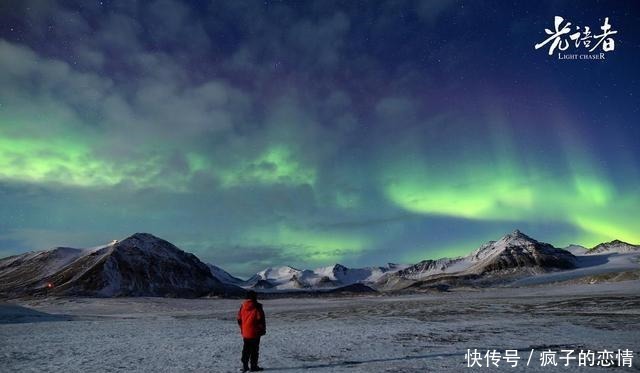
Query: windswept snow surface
x,y
415,333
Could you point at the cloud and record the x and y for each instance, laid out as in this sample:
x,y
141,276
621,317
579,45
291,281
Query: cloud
x,y
324,131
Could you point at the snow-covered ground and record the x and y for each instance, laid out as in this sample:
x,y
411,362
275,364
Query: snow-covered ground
x,y
416,333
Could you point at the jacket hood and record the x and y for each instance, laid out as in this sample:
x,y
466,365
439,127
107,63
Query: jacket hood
x,y
250,305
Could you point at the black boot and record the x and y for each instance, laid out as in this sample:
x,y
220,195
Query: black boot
x,y
254,363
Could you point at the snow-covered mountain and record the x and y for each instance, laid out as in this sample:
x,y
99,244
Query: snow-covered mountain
x,y
432,267
513,253
337,275
145,265
615,246
517,250
139,265
576,249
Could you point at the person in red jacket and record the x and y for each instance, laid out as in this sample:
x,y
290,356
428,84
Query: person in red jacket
x,y
252,326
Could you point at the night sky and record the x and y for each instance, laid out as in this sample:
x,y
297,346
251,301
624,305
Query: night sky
x,y
257,133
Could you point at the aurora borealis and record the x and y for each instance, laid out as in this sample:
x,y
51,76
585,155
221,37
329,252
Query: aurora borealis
x,y
257,133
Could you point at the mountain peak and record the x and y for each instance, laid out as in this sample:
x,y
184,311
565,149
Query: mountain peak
x,y
617,242
339,267
277,272
146,242
614,246
516,235
142,236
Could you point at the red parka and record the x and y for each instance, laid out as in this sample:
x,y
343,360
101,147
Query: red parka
x,y
251,319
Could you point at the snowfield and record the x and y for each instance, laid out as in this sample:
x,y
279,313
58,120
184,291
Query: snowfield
x,y
413,333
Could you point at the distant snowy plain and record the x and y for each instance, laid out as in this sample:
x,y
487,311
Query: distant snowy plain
x,y
416,333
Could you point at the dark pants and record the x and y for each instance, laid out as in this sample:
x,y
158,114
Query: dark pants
x,y
250,351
